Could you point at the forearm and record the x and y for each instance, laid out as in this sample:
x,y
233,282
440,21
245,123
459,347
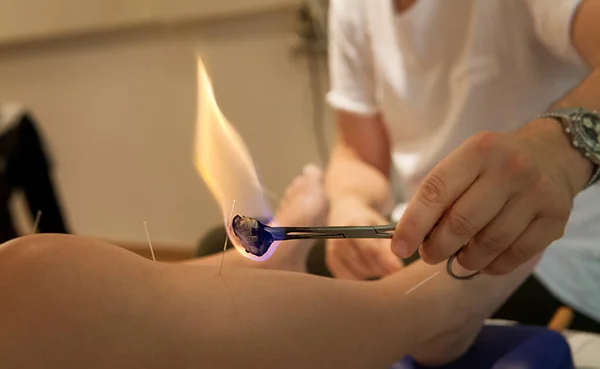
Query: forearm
x,y
585,37
587,95
350,176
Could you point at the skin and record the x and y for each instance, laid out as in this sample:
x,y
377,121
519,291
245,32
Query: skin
x,y
522,169
363,149
73,302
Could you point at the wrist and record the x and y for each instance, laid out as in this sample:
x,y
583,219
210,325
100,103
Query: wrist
x,y
549,132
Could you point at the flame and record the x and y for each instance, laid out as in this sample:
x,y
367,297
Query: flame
x,y
225,164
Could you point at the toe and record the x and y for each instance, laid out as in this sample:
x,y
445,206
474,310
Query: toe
x,y
296,186
312,171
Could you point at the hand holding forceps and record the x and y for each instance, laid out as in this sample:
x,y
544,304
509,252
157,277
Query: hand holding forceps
x,y
257,237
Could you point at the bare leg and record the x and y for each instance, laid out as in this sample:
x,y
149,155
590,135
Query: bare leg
x,y
304,204
71,302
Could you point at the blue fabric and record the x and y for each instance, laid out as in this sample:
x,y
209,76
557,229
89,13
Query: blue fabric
x,y
504,347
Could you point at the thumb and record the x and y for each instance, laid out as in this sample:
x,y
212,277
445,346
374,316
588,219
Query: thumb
x,y
386,257
389,260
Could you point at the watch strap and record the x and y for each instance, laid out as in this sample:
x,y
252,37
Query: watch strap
x,y
566,118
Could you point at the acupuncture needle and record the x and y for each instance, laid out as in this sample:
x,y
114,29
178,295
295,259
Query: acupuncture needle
x,y
226,237
149,242
36,223
416,286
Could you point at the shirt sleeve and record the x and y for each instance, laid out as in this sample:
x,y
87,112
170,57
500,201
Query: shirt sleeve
x,y
552,24
350,60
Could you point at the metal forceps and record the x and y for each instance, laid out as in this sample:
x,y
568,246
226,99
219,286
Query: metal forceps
x,y
316,233
335,232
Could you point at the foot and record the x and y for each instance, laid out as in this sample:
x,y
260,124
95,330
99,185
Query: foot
x,y
304,204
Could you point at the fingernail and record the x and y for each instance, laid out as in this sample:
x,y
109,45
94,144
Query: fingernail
x,y
401,248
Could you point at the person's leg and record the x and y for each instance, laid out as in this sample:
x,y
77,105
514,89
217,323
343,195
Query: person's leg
x,y
72,302
303,204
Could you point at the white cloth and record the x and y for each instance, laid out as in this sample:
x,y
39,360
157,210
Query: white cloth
x,y
444,70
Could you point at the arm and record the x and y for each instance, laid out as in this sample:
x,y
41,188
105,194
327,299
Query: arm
x,y
570,29
521,168
586,40
357,178
360,161
96,305
359,193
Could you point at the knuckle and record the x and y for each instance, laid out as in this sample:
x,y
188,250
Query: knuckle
x,y
520,165
544,185
559,233
430,253
489,244
486,141
433,191
460,225
497,269
518,254
560,212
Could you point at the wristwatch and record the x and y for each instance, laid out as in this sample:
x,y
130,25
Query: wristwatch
x,y
583,129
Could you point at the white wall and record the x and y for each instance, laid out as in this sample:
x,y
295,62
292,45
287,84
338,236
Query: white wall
x,y
23,20
118,112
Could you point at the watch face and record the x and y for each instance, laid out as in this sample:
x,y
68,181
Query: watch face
x,y
589,130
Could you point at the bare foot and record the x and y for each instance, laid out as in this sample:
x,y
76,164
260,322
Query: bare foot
x,y
304,204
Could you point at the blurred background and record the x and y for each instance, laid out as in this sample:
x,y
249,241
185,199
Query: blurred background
x,y
110,88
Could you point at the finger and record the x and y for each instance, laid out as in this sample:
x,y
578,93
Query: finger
x,y
387,262
498,235
388,259
469,214
340,271
337,268
379,258
439,190
376,252
367,252
540,233
349,259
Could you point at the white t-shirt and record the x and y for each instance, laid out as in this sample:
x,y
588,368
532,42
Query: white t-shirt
x,y
444,70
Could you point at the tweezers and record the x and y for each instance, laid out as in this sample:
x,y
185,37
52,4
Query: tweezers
x,y
317,233
335,232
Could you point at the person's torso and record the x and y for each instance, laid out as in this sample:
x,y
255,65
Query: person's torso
x,y
445,70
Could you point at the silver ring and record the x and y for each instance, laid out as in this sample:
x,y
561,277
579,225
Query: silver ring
x,y
451,273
